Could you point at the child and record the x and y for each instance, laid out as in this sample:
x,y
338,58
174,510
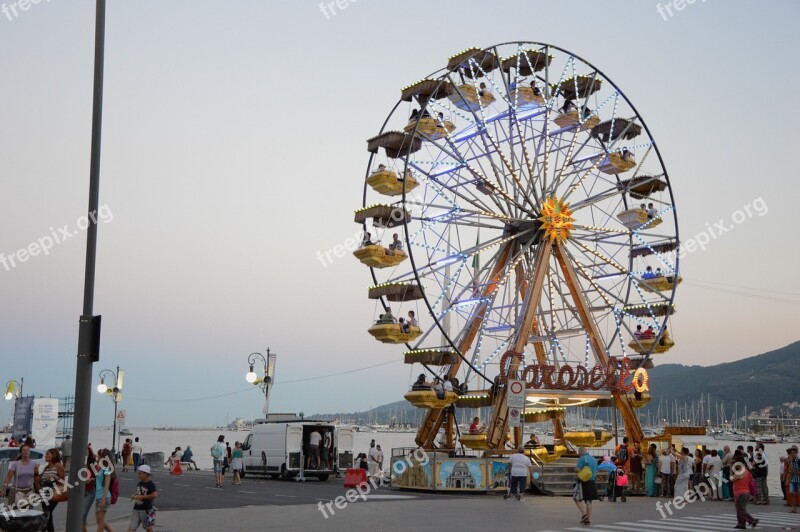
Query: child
x,y
143,511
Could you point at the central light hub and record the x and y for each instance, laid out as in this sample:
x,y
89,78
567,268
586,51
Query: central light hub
x,y
557,220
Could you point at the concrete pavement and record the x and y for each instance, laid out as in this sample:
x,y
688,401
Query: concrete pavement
x,y
191,503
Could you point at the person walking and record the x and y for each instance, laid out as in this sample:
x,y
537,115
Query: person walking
x,y
138,453
793,474
24,473
585,492
665,468
126,453
66,451
379,458
684,469
650,462
237,464
218,452
143,512
760,471
102,495
520,466
715,475
741,492
636,467
727,459
52,477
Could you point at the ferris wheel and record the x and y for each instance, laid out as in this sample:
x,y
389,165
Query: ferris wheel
x,y
515,201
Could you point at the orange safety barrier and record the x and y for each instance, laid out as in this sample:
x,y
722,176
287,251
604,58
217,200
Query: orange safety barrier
x,y
354,477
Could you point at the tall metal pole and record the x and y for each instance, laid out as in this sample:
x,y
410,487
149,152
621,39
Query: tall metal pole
x,y
85,361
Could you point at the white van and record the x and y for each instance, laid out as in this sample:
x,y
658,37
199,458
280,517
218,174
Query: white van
x,y
275,448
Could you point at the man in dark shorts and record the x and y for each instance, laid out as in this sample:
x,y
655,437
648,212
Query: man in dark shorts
x,y
314,440
585,491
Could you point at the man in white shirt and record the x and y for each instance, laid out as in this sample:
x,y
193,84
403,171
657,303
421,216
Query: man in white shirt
x,y
138,453
372,460
715,475
448,386
313,448
520,465
666,467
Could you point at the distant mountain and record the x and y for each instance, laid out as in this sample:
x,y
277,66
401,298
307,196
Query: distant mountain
x,y
762,381
770,379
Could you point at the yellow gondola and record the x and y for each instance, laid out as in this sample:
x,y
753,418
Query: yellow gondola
x,y
635,218
392,333
545,455
430,129
476,442
645,345
571,119
466,97
662,283
387,183
638,400
613,163
588,438
429,399
377,256
525,98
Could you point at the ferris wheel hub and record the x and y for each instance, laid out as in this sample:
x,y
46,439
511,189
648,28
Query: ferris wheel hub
x,y
557,221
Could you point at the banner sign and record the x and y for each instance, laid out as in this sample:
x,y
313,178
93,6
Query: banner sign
x,y
45,421
23,413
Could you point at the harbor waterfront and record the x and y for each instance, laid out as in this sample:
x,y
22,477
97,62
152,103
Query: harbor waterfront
x,y
166,440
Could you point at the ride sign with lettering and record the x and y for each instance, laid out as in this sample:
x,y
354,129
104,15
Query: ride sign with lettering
x,y
613,376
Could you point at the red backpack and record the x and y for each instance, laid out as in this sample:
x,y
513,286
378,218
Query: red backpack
x,y
114,490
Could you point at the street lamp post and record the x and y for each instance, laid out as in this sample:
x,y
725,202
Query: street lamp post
x,y
265,380
115,392
14,391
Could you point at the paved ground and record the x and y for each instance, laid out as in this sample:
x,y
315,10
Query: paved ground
x,y
192,503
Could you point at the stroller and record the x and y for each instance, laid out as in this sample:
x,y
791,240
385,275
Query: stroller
x,y
617,482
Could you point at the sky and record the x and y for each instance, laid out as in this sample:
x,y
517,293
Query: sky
x,y
234,152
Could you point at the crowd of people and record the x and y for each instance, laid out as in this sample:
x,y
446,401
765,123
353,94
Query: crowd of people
x,y
43,483
371,461
673,472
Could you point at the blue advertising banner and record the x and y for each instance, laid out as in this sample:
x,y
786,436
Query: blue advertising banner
x,y
23,417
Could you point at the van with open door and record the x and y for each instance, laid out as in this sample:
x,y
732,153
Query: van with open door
x,y
282,448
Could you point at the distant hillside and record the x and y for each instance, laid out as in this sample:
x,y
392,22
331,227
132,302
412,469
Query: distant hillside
x,y
761,381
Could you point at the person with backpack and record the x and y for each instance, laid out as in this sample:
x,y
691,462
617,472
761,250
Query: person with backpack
x,y
143,511
106,482
218,454
622,452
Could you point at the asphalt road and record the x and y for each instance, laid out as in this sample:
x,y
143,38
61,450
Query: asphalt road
x,y
196,490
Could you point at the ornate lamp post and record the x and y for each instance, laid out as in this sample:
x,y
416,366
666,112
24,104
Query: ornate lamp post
x,y
265,380
115,392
